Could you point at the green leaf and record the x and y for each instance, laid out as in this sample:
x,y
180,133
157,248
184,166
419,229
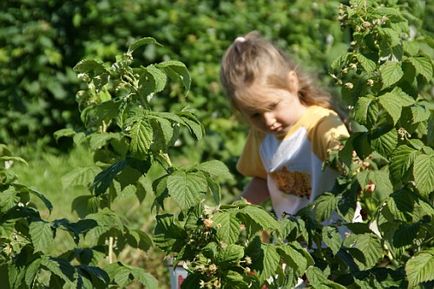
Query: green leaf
x,y
139,239
367,64
318,280
82,176
41,235
231,254
141,134
401,161
8,200
420,113
65,132
261,217
332,238
324,206
144,278
393,102
105,178
90,65
391,72
186,189
216,169
141,42
293,258
176,70
152,80
401,205
227,226
423,171
32,271
386,143
270,262
59,267
381,180
420,268
368,249
423,66
361,110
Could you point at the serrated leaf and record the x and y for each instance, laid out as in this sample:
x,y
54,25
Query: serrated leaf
x,y
32,271
261,217
59,267
215,168
423,66
324,206
401,205
420,268
406,234
186,189
89,65
386,143
41,235
361,110
8,200
141,134
176,70
144,278
152,80
332,238
270,262
105,178
420,113
82,176
423,171
391,72
227,226
41,197
293,258
139,239
163,133
381,179
401,161
193,124
317,279
141,42
393,102
367,64
232,253
65,132
369,250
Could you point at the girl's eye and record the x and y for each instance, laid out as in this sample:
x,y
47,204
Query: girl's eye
x,y
273,105
255,115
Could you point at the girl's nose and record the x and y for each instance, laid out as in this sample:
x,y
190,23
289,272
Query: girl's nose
x,y
269,119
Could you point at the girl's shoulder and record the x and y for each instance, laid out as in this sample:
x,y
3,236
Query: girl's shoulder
x,y
315,115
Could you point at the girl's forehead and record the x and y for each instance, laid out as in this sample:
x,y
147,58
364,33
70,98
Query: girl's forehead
x,y
258,98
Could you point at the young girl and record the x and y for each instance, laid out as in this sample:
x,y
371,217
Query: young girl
x,y
292,125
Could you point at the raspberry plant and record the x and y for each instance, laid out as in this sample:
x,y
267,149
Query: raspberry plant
x,y
387,163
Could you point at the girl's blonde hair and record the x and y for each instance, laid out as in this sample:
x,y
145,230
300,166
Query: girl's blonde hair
x,y
252,59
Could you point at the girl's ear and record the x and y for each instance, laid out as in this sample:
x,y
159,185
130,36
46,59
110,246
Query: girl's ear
x,y
293,82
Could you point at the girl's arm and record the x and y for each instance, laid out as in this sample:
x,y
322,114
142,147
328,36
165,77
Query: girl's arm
x,y
256,191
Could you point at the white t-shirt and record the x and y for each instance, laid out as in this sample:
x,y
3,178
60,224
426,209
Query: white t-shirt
x,y
293,165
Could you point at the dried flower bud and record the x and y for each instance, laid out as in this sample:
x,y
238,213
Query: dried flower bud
x,y
370,187
212,268
349,85
208,223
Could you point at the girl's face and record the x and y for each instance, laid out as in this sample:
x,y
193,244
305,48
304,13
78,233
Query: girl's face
x,y
273,110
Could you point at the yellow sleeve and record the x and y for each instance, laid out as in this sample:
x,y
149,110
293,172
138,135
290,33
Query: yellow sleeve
x,y
250,163
327,134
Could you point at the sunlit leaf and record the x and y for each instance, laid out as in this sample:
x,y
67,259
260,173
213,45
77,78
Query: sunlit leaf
x,y
186,189
420,268
391,72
